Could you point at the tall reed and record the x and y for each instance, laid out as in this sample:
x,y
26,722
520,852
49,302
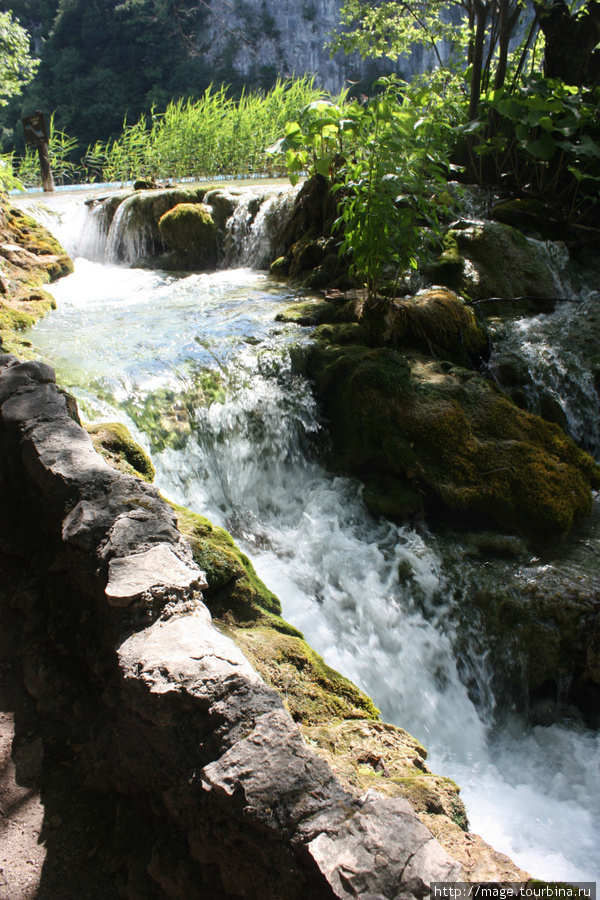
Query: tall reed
x,y
211,136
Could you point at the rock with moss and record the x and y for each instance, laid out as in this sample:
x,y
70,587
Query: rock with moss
x,y
312,691
448,436
30,257
190,229
114,442
342,307
234,589
489,259
309,250
532,217
437,322
139,214
538,626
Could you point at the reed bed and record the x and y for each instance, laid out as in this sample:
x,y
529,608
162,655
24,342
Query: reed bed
x,y
212,136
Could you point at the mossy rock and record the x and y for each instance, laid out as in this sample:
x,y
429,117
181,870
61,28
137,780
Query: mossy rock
x,y
320,312
451,436
309,252
234,590
436,321
114,442
189,228
141,211
490,259
280,267
531,217
312,691
29,258
386,758
250,613
541,632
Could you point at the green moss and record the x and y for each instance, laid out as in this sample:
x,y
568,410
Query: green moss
x,y
319,312
447,434
280,267
313,692
342,333
234,589
114,442
190,229
308,312
448,268
15,319
370,754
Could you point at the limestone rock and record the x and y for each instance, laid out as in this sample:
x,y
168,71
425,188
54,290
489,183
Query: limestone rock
x,y
189,228
414,428
130,577
369,856
176,713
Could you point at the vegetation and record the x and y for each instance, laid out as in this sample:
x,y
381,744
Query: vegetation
x,y
506,119
211,136
102,60
17,68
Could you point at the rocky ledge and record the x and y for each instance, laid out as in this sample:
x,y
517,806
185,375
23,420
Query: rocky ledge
x,y
176,716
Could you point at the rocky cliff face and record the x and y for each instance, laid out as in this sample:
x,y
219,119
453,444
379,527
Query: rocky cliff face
x,y
262,38
176,714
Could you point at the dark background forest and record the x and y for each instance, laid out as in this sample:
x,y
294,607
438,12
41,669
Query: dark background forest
x,y
102,60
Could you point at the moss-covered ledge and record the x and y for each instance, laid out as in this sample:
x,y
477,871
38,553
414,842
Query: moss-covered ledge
x,y
30,257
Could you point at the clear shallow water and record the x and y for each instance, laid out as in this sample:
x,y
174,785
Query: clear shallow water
x,y
121,338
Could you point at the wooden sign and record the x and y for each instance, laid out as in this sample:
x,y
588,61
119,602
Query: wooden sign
x,y
35,129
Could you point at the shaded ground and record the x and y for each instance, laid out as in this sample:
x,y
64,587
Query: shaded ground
x,y
59,840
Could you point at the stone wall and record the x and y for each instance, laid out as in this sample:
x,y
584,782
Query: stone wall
x,y
175,713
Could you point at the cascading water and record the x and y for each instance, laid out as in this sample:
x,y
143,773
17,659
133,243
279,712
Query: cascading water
x,y
558,351
376,600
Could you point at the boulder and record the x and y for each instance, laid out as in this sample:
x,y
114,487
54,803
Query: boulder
x,y
420,431
489,259
190,229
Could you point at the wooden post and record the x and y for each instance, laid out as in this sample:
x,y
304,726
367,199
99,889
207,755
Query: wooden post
x,y
47,180
36,135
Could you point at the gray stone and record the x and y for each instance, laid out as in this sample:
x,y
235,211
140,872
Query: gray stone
x,y
382,851
182,653
132,576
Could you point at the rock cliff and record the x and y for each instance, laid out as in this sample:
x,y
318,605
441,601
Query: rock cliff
x,y
179,716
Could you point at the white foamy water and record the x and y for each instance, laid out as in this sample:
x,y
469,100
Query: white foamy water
x,y
134,345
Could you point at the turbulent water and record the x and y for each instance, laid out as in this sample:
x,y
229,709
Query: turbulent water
x,y
201,372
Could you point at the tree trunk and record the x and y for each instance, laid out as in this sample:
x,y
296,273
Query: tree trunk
x,y
571,39
481,14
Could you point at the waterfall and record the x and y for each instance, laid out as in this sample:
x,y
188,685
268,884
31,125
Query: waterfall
x,y
253,231
377,600
123,227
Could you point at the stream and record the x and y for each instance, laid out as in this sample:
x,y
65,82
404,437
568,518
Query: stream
x,y
201,373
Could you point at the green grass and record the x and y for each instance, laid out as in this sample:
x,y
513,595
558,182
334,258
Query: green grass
x,y
214,135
